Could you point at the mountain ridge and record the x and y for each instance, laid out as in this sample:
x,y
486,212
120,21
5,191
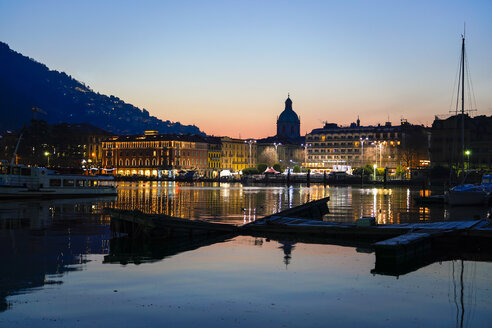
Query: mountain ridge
x,y
27,83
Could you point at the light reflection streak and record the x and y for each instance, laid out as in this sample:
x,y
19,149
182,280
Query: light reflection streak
x,y
243,204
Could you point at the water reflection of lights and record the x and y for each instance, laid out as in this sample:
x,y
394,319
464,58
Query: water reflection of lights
x,y
374,192
408,199
231,201
291,195
424,213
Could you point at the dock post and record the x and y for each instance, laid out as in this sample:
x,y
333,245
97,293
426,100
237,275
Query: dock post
x,y
308,178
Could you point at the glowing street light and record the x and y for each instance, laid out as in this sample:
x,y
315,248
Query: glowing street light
x,y
47,154
250,142
362,144
305,151
468,153
276,144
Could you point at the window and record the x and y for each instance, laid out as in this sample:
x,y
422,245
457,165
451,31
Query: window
x,y
68,183
55,182
80,183
25,171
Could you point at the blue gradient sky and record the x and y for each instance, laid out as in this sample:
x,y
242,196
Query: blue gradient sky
x,y
227,66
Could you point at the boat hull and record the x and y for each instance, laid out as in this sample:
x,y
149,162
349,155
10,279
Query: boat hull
x,y
43,193
467,198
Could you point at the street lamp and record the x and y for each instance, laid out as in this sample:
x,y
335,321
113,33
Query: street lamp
x,y
305,151
276,144
47,154
375,166
380,145
468,153
362,144
250,142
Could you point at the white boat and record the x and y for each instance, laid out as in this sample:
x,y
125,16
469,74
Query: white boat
x,y
468,194
18,181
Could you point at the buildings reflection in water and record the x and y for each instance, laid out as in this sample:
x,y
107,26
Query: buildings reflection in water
x,y
211,201
239,204
42,240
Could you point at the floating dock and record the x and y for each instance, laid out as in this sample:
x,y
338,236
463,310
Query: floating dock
x,y
395,245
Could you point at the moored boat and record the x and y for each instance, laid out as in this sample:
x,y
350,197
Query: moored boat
x,y
468,194
19,181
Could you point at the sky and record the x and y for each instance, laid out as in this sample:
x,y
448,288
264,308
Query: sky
x,y
227,66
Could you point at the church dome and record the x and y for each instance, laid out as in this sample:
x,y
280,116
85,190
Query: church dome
x,y
288,115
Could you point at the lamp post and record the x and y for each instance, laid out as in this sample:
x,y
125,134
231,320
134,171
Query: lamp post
x,y
47,154
305,151
379,145
362,153
468,153
276,144
250,142
380,153
375,166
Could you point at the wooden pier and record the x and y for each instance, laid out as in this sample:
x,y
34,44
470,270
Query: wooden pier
x,y
136,223
161,225
396,246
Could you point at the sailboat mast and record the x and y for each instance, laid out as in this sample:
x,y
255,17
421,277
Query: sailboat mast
x,y
463,102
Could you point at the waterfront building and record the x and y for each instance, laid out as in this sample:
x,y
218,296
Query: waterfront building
x,y
237,154
446,147
214,156
286,146
64,145
285,151
339,148
288,123
154,154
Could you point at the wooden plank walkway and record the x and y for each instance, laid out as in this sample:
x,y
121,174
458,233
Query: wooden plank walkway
x,y
160,225
396,246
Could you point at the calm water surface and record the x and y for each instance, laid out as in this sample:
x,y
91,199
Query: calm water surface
x,y
61,265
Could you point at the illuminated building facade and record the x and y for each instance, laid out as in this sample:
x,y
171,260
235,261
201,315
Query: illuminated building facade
x,y
156,155
273,150
340,148
214,156
237,154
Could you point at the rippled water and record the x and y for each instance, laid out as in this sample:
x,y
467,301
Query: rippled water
x,y
240,204
61,266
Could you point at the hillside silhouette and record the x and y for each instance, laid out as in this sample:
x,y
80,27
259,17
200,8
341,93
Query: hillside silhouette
x,y
26,83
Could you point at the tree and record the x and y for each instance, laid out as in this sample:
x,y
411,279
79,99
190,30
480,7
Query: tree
x,y
296,169
261,167
414,146
380,171
250,170
400,171
268,156
277,167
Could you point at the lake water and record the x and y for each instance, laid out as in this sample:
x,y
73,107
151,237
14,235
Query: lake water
x,y
61,266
